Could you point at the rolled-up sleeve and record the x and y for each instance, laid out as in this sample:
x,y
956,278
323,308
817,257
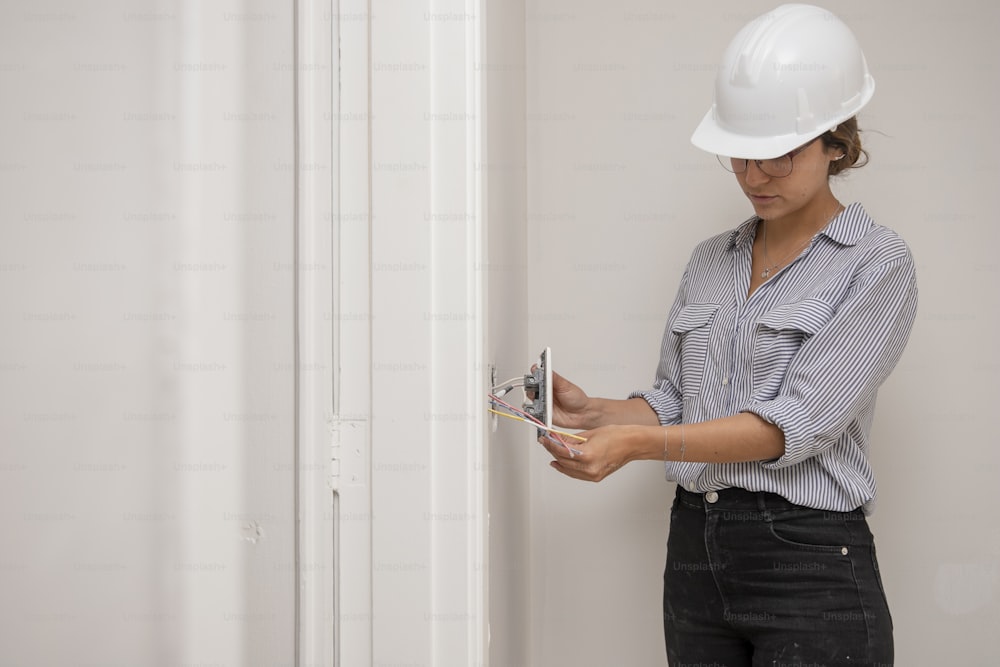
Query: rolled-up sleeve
x,y
832,380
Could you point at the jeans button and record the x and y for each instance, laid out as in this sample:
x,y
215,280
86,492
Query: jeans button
x,y
711,497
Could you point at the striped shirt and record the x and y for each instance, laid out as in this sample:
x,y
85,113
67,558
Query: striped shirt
x,y
807,351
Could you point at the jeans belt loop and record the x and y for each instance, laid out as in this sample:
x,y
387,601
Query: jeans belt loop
x,y
765,512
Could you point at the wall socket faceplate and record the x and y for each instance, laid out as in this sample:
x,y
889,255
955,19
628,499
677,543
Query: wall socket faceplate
x,y
540,383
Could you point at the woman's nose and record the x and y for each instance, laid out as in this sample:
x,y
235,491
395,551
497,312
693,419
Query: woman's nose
x,y
753,174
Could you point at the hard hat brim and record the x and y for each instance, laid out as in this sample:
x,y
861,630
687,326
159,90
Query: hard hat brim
x,y
711,137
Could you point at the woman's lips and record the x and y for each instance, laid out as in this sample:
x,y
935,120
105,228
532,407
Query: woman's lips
x,y
762,199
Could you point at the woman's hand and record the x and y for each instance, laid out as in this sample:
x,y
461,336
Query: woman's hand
x,y
570,404
573,408
606,450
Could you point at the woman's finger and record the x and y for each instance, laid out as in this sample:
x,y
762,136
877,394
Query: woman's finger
x,y
554,447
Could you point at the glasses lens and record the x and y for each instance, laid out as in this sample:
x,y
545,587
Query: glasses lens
x,y
778,167
733,165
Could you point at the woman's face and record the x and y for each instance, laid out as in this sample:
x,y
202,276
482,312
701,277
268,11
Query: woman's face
x,y
805,190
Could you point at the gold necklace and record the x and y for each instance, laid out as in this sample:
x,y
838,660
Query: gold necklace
x,y
766,273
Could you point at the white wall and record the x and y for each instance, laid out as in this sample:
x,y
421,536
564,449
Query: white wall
x,y
617,198
146,370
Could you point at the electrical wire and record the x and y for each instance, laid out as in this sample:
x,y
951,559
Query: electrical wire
x,y
513,382
552,434
521,415
505,386
544,428
517,411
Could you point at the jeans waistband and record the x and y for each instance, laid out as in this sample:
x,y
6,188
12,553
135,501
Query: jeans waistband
x,y
741,499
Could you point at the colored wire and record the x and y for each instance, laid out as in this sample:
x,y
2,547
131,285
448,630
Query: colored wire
x,y
524,416
544,428
516,411
555,438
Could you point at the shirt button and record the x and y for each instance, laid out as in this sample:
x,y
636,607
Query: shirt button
x,y
725,380
711,497
690,486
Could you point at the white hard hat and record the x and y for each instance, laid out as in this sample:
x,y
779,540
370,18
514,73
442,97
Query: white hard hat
x,y
787,77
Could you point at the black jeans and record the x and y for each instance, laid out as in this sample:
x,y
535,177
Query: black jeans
x,y
752,580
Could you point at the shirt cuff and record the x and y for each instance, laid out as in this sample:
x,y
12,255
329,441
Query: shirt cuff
x,y
791,417
666,409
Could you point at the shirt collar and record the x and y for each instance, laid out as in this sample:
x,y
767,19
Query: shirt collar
x,y
847,228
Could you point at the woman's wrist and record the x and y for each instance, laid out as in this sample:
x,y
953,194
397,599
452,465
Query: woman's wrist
x,y
596,414
647,443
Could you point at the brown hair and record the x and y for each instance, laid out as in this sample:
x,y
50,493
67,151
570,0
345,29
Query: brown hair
x,y
846,138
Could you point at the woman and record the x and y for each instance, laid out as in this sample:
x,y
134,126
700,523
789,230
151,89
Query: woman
x,y
781,333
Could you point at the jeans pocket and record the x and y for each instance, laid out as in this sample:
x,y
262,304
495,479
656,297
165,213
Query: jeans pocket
x,y
810,530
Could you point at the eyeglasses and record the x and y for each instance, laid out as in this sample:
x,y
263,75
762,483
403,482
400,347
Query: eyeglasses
x,y
775,167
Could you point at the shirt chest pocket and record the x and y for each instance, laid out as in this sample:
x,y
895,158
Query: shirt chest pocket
x,y
693,327
780,334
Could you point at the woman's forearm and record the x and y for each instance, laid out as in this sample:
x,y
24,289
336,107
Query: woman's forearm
x,y
608,411
741,437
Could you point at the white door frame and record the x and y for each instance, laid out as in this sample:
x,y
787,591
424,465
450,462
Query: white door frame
x,y
390,449
316,143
